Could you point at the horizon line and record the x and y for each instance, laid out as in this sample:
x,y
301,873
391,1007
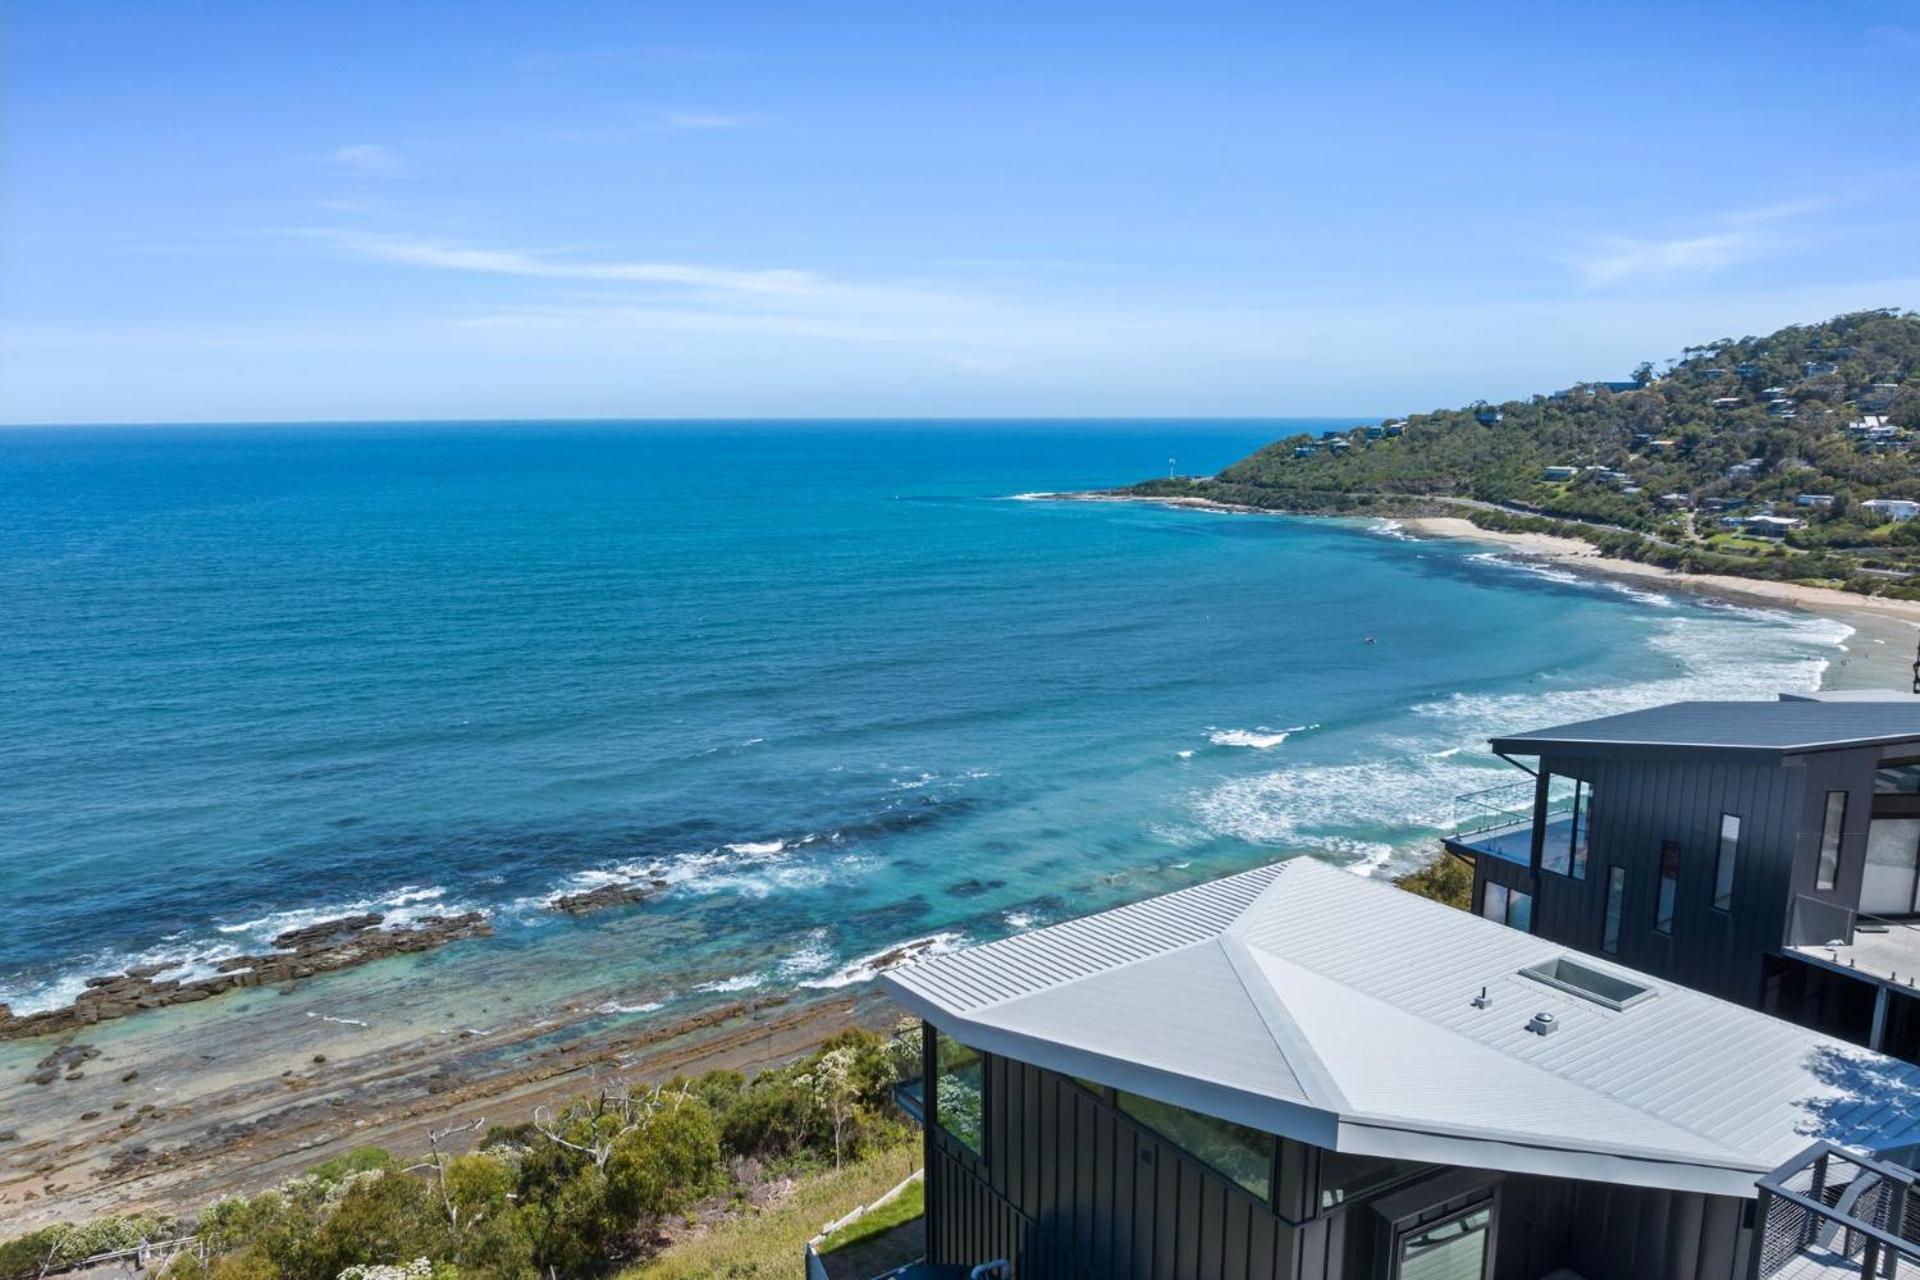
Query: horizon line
x,y
795,420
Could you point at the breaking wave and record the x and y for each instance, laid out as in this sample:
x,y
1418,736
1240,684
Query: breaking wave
x,y
888,958
1393,791
1259,739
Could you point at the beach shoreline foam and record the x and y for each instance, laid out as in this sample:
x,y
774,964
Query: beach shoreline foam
x,y
1576,556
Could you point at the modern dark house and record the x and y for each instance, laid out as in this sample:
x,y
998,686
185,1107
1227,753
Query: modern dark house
x,y
1295,1073
1764,852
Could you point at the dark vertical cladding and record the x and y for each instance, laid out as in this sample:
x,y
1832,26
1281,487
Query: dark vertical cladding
x,y
1640,807
1071,1187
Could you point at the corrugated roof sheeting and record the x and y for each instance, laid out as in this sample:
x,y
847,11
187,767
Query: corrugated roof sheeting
x,y
1030,962
1155,1012
1316,989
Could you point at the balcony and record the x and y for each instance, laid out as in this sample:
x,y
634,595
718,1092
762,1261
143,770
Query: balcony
x,y
1498,822
1837,937
1830,1214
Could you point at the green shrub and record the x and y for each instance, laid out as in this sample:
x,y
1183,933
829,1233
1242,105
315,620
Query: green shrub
x,y
671,1160
66,1242
1446,879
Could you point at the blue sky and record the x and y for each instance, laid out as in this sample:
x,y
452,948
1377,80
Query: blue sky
x,y
298,211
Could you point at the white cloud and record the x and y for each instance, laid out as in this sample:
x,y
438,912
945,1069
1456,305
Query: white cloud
x,y
872,350
369,160
513,262
1731,238
1618,259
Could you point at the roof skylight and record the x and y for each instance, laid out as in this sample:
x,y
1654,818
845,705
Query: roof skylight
x,y
1587,982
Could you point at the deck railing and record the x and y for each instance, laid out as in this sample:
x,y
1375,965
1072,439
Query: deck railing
x,y
1508,805
1815,922
1831,1211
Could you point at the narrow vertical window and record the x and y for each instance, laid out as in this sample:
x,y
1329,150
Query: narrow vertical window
x,y
1828,873
1564,839
1494,905
1556,839
959,1078
1616,904
1725,865
1669,886
1582,824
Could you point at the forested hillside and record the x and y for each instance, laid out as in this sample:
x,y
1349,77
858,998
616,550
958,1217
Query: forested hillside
x,y
1789,456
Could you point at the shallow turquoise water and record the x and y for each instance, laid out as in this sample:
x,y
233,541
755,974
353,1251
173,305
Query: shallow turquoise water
x,y
832,681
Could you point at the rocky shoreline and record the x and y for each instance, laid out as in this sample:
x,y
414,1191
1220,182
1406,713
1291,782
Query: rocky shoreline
x,y
620,893
329,945
343,942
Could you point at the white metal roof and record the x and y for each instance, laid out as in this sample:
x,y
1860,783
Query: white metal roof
x,y
1315,1004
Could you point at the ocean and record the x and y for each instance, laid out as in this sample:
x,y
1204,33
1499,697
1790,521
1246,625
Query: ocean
x,y
839,685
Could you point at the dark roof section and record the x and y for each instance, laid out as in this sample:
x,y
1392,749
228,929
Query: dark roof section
x,y
1777,728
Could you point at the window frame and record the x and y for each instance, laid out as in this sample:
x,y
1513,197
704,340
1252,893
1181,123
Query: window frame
x,y
936,1114
1489,1233
1826,870
1570,861
1520,903
1613,920
1726,864
1666,899
1411,1172
1266,1196
1580,834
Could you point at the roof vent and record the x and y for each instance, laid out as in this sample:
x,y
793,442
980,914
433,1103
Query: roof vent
x,y
1543,1024
1589,983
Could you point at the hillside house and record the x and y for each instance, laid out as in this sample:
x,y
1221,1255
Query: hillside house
x,y
1892,508
1295,1073
1878,398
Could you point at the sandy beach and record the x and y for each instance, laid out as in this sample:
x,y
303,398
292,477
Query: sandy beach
x,y
1879,655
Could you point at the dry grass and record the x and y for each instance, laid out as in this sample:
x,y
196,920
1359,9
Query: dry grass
x,y
769,1243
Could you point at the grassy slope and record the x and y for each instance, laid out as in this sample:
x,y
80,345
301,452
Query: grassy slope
x,y
769,1244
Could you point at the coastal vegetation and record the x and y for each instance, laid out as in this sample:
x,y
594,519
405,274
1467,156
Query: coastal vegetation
x,y
1784,457
1446,879
609,1180
767,1243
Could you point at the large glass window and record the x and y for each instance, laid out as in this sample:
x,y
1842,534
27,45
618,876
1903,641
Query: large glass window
x,y
1827,874
1888,875
1345,1178
1243,1154
1663,903
1507,906
1616,904
1727,863
1901,779
959,1078
1455,1249
1563,845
